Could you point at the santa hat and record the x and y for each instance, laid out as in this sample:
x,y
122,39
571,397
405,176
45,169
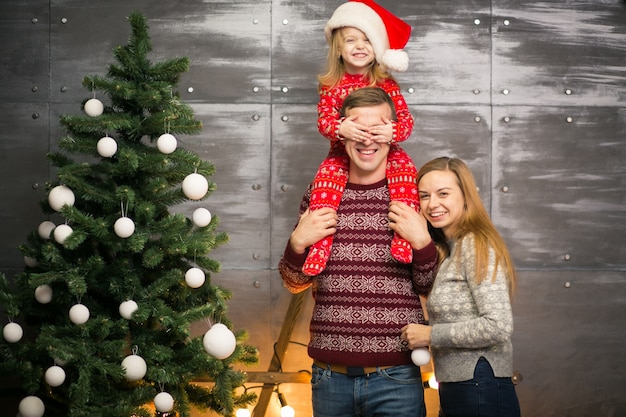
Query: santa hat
x,y
387,33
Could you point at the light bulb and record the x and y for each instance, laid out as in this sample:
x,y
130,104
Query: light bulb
x,y
432,382
242,412
287,411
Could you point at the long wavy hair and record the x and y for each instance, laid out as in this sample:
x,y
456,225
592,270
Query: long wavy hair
x,y
475,221
335,67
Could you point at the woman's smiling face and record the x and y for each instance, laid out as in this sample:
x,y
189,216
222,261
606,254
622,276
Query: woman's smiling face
x,y
441,200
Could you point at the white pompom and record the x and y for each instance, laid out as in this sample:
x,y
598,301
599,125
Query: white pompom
x,y
79,314
45,228
127,308
135,367
106,147
12,332
93,107
195,186
164,402
54,376
30,261
219,341
201,217
43,294
420,356
195,277
62,232
124,227
31,406
166,143
60,196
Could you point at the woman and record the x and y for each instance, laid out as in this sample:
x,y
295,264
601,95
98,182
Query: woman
x,y
469,306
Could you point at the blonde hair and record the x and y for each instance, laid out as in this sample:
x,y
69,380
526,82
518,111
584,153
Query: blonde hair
x,y
335,67
475,221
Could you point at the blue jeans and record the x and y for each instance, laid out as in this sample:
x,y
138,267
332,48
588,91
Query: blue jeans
x,y
391,392
483,396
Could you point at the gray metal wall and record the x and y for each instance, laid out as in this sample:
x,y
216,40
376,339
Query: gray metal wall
x,y
531,93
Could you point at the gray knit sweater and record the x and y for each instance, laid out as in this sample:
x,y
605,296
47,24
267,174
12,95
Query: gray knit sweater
x,y
469,320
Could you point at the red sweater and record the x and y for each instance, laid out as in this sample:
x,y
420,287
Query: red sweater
x,y
363,297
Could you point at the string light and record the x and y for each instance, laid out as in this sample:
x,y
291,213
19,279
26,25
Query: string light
x,y
285,409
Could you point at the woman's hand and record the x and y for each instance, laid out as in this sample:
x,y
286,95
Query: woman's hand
x,y
416,335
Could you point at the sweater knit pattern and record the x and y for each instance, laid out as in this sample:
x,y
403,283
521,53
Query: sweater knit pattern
x,y
469,320
363,297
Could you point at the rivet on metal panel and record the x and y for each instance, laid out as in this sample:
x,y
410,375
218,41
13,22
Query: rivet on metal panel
x,y
285,21
568,284
476,91
284,188
411,90
285,89
477,119
255,89
34,89
35,186
568,91
64,20
256,117
506,91
567,257
34,20
506,119
256,187
63,89
569,119
255,256
505,189
506,22
255,21
190,90
284,118
35,116
257,284
477,22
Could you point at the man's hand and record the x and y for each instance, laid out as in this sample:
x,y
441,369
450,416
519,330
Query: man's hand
x,y
312,227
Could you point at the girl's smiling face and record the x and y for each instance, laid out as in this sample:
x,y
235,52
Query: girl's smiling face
x,y
355,50
442,200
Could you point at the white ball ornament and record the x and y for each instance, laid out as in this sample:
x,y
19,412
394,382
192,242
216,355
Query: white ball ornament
x,y
45,228
219,341
164,402
127,308
420,356
135,367
30,261
31,406
79,314
195,277
62,232
166,143
124,227
93,107
55,376
106,147
12,332
195,186
43,294
201,217
60,196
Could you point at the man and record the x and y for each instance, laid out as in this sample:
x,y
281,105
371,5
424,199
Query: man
x,y
364,297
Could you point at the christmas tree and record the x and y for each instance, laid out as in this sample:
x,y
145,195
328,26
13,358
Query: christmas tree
x,y
114,278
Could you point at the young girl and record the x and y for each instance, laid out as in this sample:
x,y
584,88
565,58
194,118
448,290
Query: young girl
x,y
365,42
469,306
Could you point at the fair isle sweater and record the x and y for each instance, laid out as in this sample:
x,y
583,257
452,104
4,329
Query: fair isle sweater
x,y
469,320
363,297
